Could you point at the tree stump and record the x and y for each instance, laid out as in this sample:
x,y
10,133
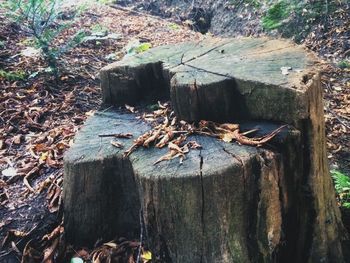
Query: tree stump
x,y
226,202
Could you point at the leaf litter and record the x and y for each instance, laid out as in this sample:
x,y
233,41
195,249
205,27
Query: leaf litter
x,y
169,131
39,118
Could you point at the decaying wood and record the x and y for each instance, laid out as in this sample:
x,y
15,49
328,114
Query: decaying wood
x,y
223,202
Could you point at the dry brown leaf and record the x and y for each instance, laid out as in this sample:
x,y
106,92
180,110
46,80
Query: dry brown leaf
x,y
49,251
17,139
117,144
54,234
129,108
227,137
165,140
155,135
174,147
54,198
194,145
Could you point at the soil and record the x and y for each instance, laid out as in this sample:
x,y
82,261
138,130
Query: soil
x,y
40,115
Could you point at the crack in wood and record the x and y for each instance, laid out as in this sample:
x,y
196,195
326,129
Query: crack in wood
x,y
203,203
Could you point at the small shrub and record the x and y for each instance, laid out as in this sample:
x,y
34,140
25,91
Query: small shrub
x,y
342,187
40,19
12,75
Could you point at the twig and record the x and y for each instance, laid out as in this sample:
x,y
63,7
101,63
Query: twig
x,y
117,135
338,118
141,237
107,109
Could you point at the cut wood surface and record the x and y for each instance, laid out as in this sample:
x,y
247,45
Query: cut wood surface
x,y
217,79
226,202
223,201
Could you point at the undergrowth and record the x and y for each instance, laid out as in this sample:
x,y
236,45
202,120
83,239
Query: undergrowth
x,y
342,187
295,18
40,19
12,75
344,64
275,15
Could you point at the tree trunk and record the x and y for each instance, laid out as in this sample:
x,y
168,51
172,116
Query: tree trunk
x,y
226,202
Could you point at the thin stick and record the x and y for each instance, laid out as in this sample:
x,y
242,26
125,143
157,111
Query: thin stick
x,y
141,237
338,118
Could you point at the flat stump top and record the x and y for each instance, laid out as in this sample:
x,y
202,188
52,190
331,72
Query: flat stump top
x,y
220,80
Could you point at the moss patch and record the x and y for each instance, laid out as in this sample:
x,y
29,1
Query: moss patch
x,y
275,15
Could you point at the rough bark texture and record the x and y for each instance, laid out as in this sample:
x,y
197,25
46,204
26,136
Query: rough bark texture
x,y
226,203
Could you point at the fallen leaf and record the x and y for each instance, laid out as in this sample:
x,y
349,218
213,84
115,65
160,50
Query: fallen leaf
x,y
49,251
129,108
227,137
117,144
17,139
9,172
54,234
146,256
43,156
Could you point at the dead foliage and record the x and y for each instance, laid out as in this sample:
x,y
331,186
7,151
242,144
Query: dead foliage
x,y
39,116
169,131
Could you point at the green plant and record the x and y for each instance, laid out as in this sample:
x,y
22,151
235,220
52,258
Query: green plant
x,y
344,64
29,42
275,15
143,47
105,2
253,3
98,28
342,187
12,75
174,26
40,19
137,47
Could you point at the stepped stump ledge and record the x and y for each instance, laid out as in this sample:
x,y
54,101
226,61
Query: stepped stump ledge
x,y
226,202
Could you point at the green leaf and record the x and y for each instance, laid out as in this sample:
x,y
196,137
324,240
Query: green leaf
x,y
143,47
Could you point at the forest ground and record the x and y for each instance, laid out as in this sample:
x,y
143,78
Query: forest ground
x,y
39,115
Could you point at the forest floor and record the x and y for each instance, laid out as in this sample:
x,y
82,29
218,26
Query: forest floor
x,y
39,116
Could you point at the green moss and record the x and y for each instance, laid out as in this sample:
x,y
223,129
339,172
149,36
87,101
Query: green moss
x,y
174,26
12,75
275,15
143,47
